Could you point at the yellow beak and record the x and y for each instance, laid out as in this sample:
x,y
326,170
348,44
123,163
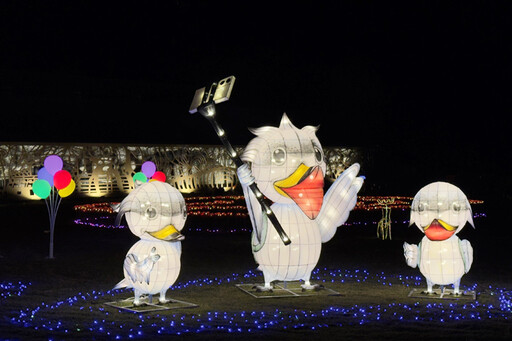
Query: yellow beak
x,y
168,233
292,180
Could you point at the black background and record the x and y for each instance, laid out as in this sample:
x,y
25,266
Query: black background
x,y
427,83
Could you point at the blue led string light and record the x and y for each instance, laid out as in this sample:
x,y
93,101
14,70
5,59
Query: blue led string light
x,y
105,321
9,289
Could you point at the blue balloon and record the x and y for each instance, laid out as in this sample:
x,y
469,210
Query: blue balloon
x,y
43,174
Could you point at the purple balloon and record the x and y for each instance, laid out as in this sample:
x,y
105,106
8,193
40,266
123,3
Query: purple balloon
x,y
148,168
45,175
53,164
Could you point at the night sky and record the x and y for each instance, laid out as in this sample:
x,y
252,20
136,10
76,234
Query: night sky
x,y
427,82
368,73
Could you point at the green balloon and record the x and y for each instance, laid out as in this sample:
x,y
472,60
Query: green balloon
x,y
41,188
140,176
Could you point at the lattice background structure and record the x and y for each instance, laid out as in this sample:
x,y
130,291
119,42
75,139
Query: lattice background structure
x,y
103,170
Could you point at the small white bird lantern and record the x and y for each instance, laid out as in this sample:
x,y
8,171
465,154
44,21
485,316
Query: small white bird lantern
x,y
288,166
156,212
440,210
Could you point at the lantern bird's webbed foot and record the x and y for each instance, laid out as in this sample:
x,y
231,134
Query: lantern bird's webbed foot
x,y
456,290
430,290
162,298
137,298
268,286
308,286
264,288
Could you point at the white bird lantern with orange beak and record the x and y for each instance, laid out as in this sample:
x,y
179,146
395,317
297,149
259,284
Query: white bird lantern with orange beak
x,y
440,210
156,212
288,166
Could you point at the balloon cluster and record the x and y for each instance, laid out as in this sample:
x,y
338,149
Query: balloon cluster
x,y
149,173
52,175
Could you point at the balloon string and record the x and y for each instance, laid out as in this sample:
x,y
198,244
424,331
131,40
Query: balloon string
x,y
48,209
56,199
53,207
59,199
50,213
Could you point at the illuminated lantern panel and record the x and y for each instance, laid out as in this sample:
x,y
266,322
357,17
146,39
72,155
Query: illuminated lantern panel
x,y
440,210
288,165
156,212
104,170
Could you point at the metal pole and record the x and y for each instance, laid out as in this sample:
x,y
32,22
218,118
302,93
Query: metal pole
x,y
52,222
208,110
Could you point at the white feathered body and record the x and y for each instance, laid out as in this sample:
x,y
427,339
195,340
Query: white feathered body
x,y
443,262
162,274
288,262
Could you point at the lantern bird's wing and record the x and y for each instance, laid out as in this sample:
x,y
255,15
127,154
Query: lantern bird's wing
x,y
140,271
467,254
411,254
130,266
125,283
339,200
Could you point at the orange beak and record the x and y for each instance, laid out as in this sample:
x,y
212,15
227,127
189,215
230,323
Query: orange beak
x,y
305,187
439,230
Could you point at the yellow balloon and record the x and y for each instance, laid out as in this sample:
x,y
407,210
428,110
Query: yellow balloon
x,y
66,191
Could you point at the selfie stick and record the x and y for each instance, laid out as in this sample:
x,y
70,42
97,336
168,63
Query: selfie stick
x,y
207,109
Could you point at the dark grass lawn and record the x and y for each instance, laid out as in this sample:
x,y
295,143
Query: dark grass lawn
x,y
65,298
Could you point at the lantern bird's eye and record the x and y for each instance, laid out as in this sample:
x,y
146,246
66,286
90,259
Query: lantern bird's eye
x,y
318,154
279,156
151,213
456,206
422,207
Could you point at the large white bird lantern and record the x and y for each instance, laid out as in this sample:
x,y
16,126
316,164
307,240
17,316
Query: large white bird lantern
x,y
440,210
288,166
156,212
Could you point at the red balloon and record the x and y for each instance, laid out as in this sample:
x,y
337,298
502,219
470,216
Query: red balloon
x,y
61,179
158,176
